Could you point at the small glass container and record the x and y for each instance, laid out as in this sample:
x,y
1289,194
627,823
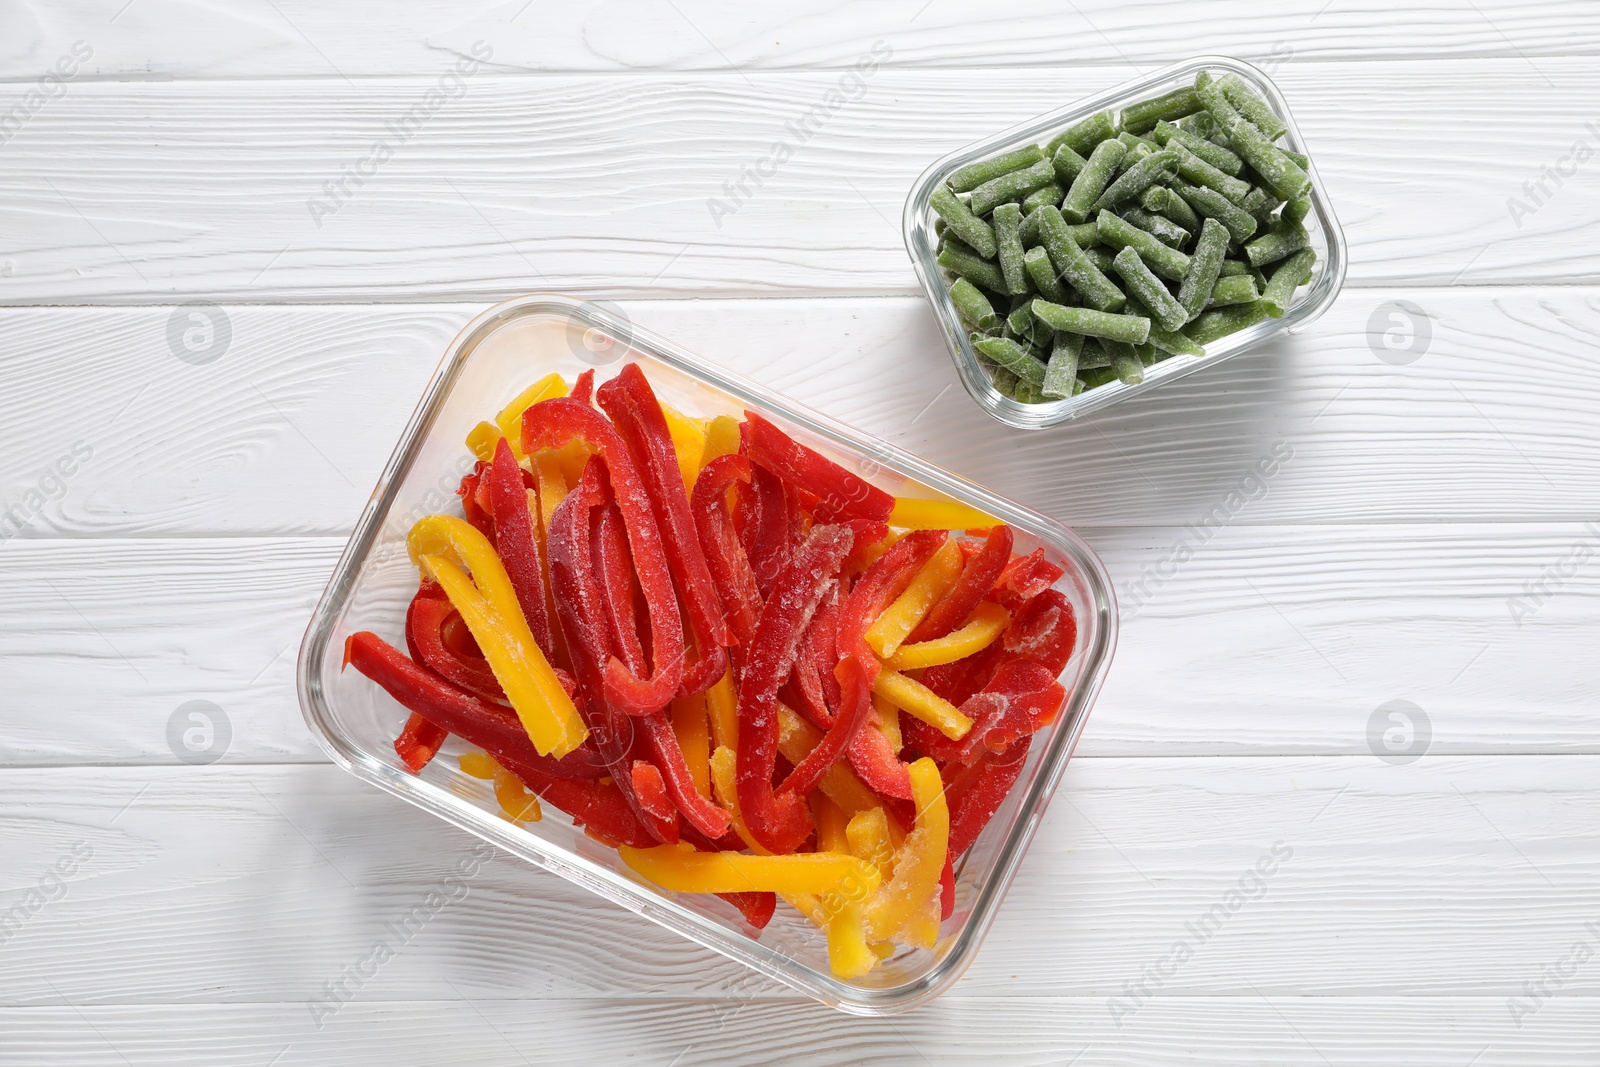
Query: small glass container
x,y
1309,301
495,357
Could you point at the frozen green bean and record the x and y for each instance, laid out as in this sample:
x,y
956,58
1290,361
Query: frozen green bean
x,y
1104,376
979,272
1083,136
1073,264
963,222
1026,325
1198,171
1165,311
1168,204
1093,356
1027,393
1238,289
1067,163
1260,204
1252,107
1005,382
1061,373
1101,257
1291,274
1037,263
1296,210
1165,230
1137,118
1013,357
1231,267
1220,322
1281,239
973,307
1012,186
1046,194
1300,159
1284,175
1155,167
1083,232
1213,205
1008,243
1092,180
973,175
1125,362
1166,134
1119,233
1204,267
1133,329
1172,342
1223,114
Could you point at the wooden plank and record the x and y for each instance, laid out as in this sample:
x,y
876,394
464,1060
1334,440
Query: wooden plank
x,y
302,39
145,192
1458,876
288,430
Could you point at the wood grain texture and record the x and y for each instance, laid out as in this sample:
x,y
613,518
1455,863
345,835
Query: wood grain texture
x,y
296,38
1498,420
1450,876
147,192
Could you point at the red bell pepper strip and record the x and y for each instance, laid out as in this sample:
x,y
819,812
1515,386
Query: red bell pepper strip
x,y
474,495
492,728
874,761
1025,577
843,493
669,762
956,682
517,543
1043,630
432,627
975,796
877,589
637,416
551,423
1019,700
609,550
947,888
419,741
599,807
725,556
766,529
757,908
583,388
780,822
853,712
659,814
977,578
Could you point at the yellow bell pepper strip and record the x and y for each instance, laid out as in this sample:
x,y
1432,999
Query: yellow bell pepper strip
x,y
833,825
918,863
867,838
724,778
848,953
888,723
482,438
909,514
683,870
509,421
478,765
989,621
722,705
977,580
922,929
908,694
936,578
516,802
722,438
488,605
796,739
688,441
689,724
553,485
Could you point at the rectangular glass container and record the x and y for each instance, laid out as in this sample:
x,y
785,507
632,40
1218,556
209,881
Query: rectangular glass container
x,y
495,357
1309,301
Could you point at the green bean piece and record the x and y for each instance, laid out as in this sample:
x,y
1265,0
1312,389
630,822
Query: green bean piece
x,y
1092,180
1291,274
1198,171
1061,373
1084,233
1073,263
1094,378
1008,241
1101,257
1172,342
1238,289
938,227
973,307
1168,204
1133,329
1166,135
1004,381
1083,136
1028,393
1026,326
1281,239
1067,163
1133,141
1223,114
1284,175
1125,362
1119,233
1213,205
1165,311
1260,204
973,175
977,271
1220,322
1296,210
1046,194
1232,267
1093,356
1300,159
1153,168
1148,355
963,222
1012,186
1037,263
1204,267
1013,357
1137,118
1252,107
1165,230
1201,124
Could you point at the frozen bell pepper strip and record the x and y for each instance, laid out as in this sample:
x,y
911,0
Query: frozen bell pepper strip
x,y
655,805
482,438
724,555
638,418
885,580
914,514
608,547
855,707
764,527
910,695
553,422
683,870
671,763
724,783
689,724
987,623
516,541
488,605
931,584
780,821
1021,698
722,707
873,759
918,862
848,953
977,795
722,439
429,613
888,722
509,421
844,493
516,803
868,835
600,807
688,441
489,726
797,738
977,578
419,741
1044,630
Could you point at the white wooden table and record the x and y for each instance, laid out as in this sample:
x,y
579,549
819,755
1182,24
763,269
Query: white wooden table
x,y
178,487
